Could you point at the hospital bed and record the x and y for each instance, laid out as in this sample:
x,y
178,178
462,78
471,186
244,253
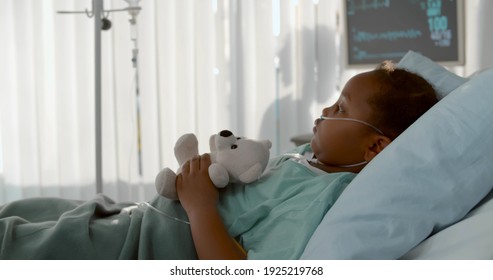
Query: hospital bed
x,y
428,195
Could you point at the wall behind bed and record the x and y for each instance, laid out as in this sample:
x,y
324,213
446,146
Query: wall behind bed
x,y
262,68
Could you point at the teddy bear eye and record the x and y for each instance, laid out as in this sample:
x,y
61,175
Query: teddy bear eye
x,y
234,147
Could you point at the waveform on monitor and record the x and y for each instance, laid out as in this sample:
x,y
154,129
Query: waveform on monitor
x,y
360,55
365,37
363,5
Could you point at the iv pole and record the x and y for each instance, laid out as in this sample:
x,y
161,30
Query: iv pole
x,y
98,10
98,14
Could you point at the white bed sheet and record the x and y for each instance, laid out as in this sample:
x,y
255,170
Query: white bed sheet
x,y
469,239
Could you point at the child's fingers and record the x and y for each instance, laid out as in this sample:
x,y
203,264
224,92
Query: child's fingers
x,y
185,168
195,164
179,180
205,160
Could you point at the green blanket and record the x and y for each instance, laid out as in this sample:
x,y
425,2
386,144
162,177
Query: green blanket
x,y
52,228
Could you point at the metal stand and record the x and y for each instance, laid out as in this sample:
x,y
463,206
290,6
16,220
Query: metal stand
x,y
98,10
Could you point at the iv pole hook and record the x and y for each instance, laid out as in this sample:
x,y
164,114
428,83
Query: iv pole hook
x,y
89,14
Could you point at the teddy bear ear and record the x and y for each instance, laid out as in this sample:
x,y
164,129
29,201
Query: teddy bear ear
x,y
225,133
223,140
267,144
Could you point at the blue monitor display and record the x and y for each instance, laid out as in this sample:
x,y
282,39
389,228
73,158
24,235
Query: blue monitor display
x,y
378,30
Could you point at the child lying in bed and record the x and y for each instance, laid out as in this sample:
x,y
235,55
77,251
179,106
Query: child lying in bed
x,y
272,218
276,217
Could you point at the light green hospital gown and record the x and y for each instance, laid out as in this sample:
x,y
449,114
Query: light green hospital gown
x,y
274,217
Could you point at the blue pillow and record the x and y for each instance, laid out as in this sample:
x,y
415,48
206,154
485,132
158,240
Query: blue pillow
x,y
443,80
425,180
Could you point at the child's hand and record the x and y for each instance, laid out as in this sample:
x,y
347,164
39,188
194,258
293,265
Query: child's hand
x,y
199,198
195,189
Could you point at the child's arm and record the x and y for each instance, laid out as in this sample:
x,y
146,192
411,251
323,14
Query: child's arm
x,y
199,197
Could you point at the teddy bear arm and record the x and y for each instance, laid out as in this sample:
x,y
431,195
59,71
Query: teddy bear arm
x,y
166,184
252,174
219,175
186,147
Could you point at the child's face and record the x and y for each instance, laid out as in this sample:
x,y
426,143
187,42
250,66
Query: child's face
x,y
338,143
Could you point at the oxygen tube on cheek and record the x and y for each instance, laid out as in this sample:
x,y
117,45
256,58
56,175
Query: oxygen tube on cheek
x,y
352,120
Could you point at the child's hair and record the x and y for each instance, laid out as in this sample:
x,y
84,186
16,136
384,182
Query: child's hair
x,y
403,97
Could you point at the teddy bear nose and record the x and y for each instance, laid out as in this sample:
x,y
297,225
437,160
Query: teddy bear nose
x,y
225,133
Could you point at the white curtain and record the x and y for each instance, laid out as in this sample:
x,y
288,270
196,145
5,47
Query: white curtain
x,y
260,68
47,101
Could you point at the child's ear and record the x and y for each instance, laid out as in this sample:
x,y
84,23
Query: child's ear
x,y
375,146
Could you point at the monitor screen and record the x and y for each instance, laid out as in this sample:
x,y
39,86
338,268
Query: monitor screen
x,y
378,30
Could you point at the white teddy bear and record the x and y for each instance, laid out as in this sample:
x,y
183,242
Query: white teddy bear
x,y
234,159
